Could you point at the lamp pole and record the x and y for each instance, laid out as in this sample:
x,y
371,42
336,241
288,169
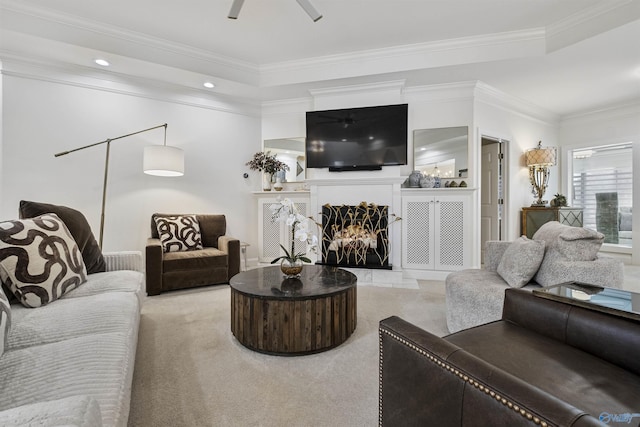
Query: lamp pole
x,y
106,167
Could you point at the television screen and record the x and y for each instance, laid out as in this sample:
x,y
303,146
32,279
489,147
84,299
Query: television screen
x,y
364,138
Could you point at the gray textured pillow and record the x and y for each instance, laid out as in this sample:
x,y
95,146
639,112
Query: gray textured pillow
x,y
521,261
179,233
39,260
572,243
5,320
579,244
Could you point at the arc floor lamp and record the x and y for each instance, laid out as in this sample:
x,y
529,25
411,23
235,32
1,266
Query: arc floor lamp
x,y
159,160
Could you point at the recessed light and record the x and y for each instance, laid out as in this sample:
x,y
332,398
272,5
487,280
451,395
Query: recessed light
x,y
102,62
209,85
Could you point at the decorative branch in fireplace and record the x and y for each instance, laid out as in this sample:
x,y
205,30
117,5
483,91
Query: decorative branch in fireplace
x,y
355,236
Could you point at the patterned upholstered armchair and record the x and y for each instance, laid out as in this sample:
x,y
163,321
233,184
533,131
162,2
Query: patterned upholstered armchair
x,y
187,250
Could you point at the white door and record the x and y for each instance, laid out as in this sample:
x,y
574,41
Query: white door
x,y
489,193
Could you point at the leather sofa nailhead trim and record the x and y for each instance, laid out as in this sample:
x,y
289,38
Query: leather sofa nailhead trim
x,y
511,405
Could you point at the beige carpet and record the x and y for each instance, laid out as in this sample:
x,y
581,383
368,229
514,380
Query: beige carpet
x,y
190,370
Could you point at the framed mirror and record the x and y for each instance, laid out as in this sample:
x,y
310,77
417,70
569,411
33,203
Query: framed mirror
x,y
441,152
291,152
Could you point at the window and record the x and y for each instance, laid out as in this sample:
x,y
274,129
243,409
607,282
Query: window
x,y
603,187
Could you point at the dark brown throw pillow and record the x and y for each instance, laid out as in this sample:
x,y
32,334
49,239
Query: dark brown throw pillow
x,y
78,227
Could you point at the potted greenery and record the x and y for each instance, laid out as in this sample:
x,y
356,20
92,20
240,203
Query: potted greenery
x,y
558,200
268,165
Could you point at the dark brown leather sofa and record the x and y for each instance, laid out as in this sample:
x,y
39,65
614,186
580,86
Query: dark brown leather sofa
x,y
545,363
215,264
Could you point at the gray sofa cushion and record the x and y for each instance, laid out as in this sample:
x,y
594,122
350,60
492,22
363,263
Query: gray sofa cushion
x,y
521,261
571,243
73,411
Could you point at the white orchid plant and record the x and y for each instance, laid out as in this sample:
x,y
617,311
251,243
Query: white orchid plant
x,y
286,211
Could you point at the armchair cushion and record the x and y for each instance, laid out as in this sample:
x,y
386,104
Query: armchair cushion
x,y
205,258
78,227
39,260
179,233
521,261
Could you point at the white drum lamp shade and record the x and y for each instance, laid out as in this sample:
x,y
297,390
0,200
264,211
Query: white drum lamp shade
x,y
163,160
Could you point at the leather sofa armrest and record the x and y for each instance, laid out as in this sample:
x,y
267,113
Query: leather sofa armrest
x,y
493,251
231,246
153,264
426,380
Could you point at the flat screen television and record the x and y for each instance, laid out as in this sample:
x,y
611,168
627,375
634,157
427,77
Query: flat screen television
x,y
365,138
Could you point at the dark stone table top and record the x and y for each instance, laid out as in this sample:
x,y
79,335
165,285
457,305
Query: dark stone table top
x,y
315,281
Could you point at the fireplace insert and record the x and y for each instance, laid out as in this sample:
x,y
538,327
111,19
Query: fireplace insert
x,y
355,236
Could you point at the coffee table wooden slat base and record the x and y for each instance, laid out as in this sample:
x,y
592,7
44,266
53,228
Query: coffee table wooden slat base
x,y
293,326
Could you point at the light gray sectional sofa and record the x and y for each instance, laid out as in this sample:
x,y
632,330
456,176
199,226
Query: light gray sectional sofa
x,y
557,253
70,362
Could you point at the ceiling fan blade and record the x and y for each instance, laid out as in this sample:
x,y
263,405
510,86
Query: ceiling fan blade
x,y
235,9
311,11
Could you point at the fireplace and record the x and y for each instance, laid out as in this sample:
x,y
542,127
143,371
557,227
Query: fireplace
x,y
355,236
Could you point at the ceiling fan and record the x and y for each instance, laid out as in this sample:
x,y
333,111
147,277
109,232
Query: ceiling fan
x,y
306,5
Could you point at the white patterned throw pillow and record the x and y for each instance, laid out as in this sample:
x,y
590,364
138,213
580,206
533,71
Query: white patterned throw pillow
x,y
39,260
5,320
179,233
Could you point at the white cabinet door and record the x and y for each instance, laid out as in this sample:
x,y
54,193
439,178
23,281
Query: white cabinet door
x,y
452,250
434,232
272,234
418,218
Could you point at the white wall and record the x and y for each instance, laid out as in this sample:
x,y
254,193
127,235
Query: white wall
x,y
494,117
41,118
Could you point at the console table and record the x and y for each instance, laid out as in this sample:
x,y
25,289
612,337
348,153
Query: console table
x,y
535,216
310,314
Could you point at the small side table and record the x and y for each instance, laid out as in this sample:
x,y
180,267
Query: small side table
x,y
243,252
535,216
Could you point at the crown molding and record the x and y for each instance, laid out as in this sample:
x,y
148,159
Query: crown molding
x,y
491,96
591,21
627,109
353,64
447,92
144,46
393,85
490,47
125,84
286,106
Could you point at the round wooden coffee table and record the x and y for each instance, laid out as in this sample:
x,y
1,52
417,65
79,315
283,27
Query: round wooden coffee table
x,y
275,315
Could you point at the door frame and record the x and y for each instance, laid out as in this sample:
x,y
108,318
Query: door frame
x,y
504,142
